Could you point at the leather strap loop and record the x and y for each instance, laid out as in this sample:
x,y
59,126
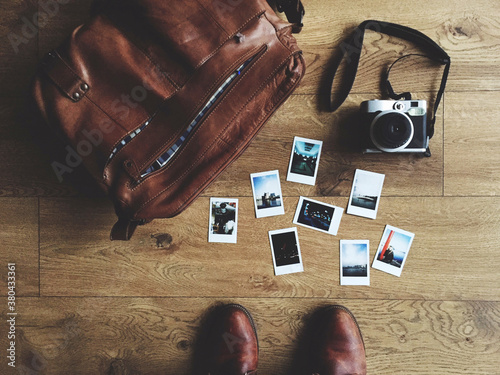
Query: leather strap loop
x,y
74,87
123,229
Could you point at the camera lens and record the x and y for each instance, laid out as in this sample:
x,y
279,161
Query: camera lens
x,y
391,131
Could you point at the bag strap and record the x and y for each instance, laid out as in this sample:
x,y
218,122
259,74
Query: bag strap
x,y
294,11
351,50
124,228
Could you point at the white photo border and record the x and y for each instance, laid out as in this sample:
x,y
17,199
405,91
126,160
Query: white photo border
x,y
355,280
223,238
291,268
297,177
382,266
270,211
360,211
334,224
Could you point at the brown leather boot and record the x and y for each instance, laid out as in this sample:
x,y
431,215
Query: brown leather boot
x,y
233,343
337,347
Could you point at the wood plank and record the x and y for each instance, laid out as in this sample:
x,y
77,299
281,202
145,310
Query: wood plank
x,y
159,335
302,115
19,239
472,144
464,29
78,259
18,45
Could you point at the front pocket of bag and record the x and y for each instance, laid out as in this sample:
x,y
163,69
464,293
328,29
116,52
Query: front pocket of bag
x,y
168,155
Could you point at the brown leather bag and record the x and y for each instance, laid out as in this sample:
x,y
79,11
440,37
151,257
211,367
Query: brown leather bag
x,y
156,98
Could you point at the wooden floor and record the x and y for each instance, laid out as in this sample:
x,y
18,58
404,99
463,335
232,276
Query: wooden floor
x,y
83,301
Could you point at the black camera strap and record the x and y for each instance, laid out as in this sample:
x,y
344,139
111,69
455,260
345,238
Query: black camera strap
x,y
351,50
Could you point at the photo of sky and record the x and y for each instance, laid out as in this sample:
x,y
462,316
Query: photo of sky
x,y
266,184
354,255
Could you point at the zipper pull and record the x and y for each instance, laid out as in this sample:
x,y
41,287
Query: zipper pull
x,y
240,38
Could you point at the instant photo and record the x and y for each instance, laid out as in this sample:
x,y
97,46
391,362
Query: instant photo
x,y
223,220
317,215
393,250
365,194
286,251
267,195
354,262
304,161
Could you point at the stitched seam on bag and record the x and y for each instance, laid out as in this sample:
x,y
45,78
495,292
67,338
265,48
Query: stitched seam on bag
x,y
188,141
278,32
89,98
289,26
147,55
229,38
209,14
108,116
196,108
225,97
116,122
223,75
211,145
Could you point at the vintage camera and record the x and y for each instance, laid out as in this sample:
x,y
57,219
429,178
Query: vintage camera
x,y
395,126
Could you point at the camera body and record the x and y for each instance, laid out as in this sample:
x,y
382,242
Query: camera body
x,y
395,126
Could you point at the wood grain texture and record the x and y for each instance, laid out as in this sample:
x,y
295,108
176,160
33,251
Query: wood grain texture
x,y
77,259
468,31
19,244
472,144
159,335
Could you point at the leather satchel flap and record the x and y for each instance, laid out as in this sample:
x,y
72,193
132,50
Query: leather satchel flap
x,y
193,29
